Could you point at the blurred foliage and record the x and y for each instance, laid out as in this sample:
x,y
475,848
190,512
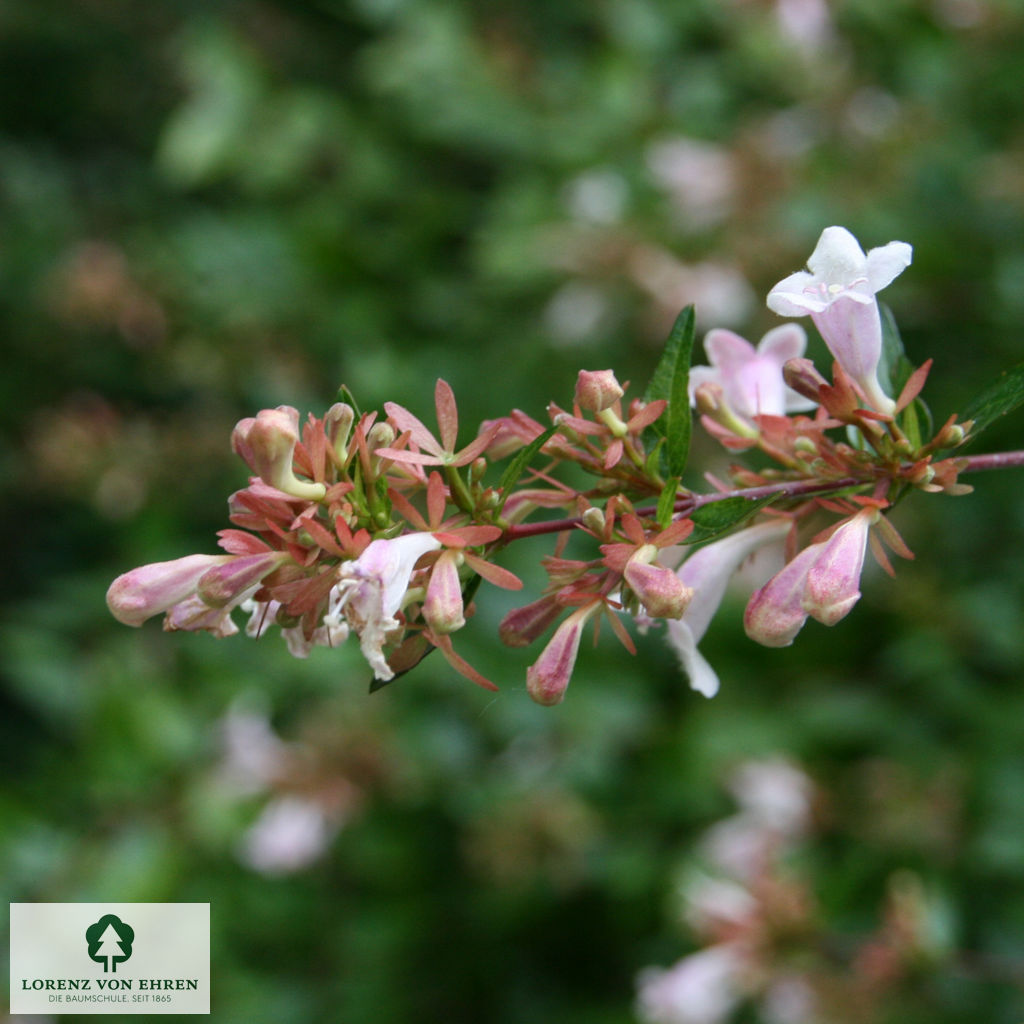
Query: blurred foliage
x,y
212,207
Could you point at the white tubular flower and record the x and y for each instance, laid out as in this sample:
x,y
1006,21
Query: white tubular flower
x,y
707,572
839,294
372,589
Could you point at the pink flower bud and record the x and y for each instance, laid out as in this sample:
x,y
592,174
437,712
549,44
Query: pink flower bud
x,y
442,607
267,443
833,580
662,593
597,390
802,376
548,677
522,626
151,589
775,613
224,583
822,581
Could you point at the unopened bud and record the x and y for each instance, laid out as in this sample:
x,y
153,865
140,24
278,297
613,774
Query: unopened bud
x,y
477,468
151,589
548,677
442,607
662,593
223,584
709,398
522,626
803,377
338,425
380,435
805,446
951,436
833,578
597,390
593,520
267,443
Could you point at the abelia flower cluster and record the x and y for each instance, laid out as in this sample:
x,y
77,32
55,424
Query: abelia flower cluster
x,y
374,527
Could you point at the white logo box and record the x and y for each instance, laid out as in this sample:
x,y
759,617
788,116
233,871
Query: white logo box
x,y
110,958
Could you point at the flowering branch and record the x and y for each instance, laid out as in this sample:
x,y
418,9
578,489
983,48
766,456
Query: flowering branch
x,y
375,526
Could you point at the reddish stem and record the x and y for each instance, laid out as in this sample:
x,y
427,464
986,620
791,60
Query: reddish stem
x,y
789,488
994,460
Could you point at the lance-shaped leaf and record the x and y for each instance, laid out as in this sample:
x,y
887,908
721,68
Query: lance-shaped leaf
x,y
894,368
718,517
671,382
894,372
666,502
1004,395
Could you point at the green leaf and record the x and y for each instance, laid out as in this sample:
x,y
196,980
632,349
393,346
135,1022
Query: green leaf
x,y
894,368
1000,398
344,395
667,502
671,381
514,470
719,517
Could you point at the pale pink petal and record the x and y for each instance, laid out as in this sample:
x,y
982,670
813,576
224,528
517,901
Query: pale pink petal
x,y
796,295
404,420
701,675
701,375
853,332
447,414
781,343
708,570
727,350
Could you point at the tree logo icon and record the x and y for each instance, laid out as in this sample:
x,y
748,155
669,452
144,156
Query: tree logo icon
x,y
110,942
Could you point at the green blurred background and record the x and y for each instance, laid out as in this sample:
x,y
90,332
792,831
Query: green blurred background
x,y
208,207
